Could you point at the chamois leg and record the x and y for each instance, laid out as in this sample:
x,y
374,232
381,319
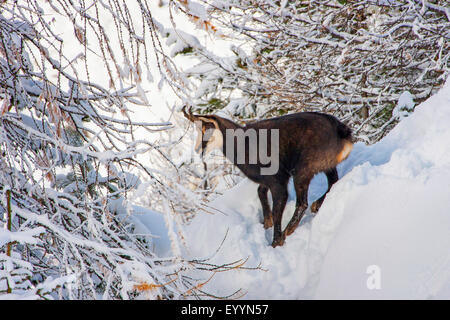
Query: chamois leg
x,y
279,196
332,177
267,212
301,185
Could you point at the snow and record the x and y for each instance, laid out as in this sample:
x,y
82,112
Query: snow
x,y
152,223
179,41
387,217
27,236
405,105
149,224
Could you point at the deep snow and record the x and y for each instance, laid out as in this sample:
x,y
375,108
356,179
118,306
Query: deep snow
x,y
389,211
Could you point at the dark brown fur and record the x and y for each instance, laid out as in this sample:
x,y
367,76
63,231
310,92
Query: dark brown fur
x,y
309,143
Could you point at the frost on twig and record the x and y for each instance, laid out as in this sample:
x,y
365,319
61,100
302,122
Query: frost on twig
x,y
69,153
352,59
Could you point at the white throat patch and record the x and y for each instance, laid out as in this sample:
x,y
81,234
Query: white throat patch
x,y
215,141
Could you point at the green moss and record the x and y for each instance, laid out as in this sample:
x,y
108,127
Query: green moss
x,y
186,50
384,115
212,104
266,50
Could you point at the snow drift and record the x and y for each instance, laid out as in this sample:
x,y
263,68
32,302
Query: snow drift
x,y
389,211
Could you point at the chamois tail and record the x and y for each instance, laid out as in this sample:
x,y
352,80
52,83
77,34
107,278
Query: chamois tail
x,y
344,132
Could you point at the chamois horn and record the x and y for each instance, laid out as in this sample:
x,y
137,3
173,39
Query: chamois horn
x,y
188,114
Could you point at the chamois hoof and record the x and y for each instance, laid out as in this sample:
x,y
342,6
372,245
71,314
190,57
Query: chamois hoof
x,y
278,242
268,223
290,231
315,206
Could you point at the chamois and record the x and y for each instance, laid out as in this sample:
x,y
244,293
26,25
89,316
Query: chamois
x,y
305,144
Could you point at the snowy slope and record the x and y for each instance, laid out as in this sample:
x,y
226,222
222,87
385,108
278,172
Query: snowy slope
x,y
390,212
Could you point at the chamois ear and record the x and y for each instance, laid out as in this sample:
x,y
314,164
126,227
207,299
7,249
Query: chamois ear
x,y
209,120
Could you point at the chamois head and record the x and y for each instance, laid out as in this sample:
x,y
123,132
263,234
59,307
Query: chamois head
x,y
209,136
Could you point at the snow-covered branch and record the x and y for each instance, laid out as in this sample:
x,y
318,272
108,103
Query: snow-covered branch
x,y
349,58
